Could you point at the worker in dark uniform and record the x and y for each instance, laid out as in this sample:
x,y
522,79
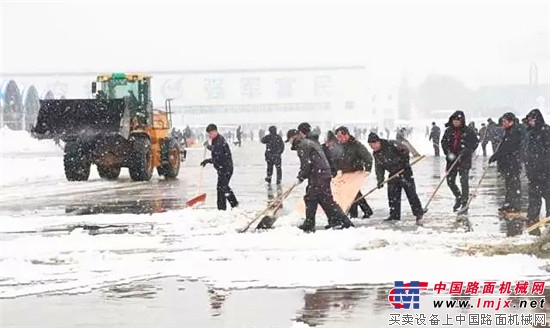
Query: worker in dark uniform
x,y
393,156
223,163
508,158
315,168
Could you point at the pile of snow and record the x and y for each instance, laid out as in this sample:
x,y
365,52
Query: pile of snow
x,y
22,142
205,245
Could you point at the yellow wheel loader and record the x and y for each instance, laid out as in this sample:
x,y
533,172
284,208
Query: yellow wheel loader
x,y
117,128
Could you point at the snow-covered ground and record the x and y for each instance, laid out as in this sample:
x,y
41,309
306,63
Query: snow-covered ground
x,y
45,250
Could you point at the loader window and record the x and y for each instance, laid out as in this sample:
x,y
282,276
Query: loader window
x,y
118,89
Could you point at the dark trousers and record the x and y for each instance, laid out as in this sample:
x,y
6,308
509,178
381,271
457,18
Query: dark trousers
x,y
406,182
274,161
225,194
354,209
512,184
538,189
484,148
464,183
318,192
436,148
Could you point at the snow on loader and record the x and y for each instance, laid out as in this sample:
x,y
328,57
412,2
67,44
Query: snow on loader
x,y
117,128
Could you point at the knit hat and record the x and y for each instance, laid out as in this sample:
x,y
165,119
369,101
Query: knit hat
x,y
305,128
291,133
373,137
509,116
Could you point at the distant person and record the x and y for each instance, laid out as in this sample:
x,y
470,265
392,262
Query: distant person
x,y
459,140
223,163
239,136
274,148
494,132
483,139
400,135
472,126
435,134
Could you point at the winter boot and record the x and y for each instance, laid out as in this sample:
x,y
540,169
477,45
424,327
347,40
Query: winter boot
x,y
391,219
342,223
419,219
458,203
368,213
308,225
268,180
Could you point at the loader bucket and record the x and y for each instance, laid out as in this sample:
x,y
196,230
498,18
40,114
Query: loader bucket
x,y
83,118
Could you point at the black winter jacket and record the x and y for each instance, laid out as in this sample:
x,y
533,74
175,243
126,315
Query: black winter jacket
x,y
537,148
274,145
314,165
355,157
333,155
435,134
221,155
468,143
508,154
392,157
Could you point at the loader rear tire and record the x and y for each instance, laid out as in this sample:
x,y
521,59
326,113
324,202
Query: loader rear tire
x,y
76,162
141,159
170,156
108,173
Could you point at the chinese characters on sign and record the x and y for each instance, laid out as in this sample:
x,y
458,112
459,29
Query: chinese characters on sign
x,y
250,87
213,88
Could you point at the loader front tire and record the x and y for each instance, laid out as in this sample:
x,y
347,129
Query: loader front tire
x,y
76,162
141,159
170,156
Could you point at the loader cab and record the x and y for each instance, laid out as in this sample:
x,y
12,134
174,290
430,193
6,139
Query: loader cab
x,y
133,88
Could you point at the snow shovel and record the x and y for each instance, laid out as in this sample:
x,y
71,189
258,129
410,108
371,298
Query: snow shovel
x,y
474,194
441,182
276,202
200,197
383,183
539,224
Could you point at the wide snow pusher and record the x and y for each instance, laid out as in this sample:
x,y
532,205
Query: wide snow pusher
x,y
117,128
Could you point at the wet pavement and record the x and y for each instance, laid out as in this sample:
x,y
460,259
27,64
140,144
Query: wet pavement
x,y
172,302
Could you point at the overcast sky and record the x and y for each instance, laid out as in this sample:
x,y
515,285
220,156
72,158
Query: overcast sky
x,y
480,43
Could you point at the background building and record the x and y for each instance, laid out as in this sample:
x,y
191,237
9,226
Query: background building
x,y
253,98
